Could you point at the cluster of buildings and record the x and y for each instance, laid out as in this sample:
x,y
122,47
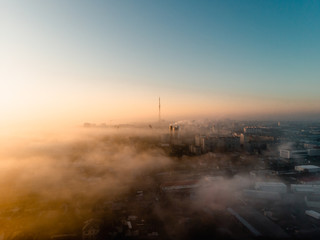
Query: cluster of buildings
x,y
222,137
280,198
287,159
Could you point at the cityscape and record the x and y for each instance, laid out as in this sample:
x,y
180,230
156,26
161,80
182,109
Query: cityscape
x,y
184,180
160,120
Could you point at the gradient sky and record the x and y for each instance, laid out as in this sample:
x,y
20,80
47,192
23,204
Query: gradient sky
x,y
103,61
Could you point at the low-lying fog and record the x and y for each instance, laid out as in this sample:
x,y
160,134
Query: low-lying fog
x,y
50,182
45,172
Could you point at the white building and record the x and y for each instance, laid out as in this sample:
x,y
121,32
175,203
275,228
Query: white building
x,y
307,168
271,187
313,214
305,188
288,154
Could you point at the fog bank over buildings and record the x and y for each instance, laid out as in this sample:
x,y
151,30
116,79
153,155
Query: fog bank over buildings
x,y
186,179
42,174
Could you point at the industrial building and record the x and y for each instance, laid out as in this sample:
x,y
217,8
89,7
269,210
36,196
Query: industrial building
x,y
293,154
258,224
307,169
271,187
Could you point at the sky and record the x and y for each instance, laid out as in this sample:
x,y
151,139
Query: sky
x,y
109,61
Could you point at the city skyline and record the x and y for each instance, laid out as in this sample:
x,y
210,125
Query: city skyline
x,y
159,120
105,61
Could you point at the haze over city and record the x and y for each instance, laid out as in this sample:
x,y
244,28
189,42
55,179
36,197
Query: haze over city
x,y
159,119
74,61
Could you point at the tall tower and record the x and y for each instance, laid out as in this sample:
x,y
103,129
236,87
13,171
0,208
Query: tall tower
x,y
159,110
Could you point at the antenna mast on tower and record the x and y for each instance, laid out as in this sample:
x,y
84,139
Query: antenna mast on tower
x,y
159,110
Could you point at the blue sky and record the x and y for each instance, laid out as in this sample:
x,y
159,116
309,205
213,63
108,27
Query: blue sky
x,y
192,53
